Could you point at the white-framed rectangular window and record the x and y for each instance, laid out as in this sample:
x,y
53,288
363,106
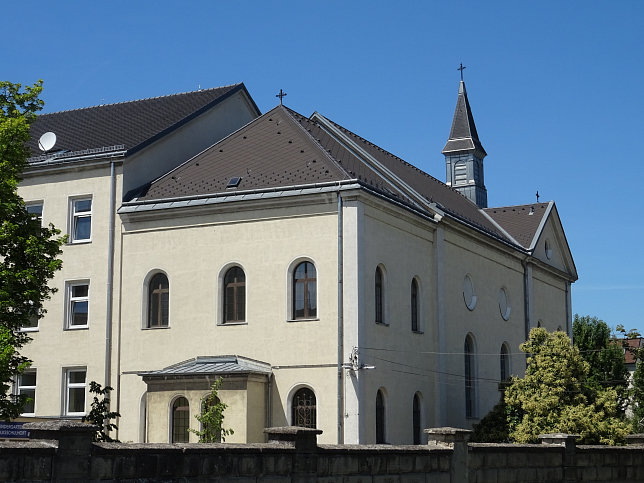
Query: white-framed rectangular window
x,y
80,222
34,208
31,326
75,391
77,316
26,385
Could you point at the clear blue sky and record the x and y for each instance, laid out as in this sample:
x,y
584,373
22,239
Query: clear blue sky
x,y
554,87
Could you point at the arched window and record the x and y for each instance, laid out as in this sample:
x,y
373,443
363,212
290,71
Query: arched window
x,y
180,420
470,378
414,306
505,362
380,417
304,291
417,430
304,410
158,301
235,295
210,436
379,296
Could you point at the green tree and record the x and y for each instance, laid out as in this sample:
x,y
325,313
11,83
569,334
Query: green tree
x,y
605,356
493,428
212,417
637,381
100,414
553,396
28,251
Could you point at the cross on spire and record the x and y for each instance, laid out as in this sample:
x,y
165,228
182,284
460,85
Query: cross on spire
x,y
281,95
462,68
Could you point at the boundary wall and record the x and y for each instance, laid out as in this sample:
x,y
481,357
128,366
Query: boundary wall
x,y
63,451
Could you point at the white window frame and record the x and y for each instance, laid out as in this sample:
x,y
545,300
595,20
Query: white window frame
x,y
67,385
69,287
74,215
20,388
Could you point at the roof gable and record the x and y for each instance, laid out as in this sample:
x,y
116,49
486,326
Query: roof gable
x,y
530,226
126,126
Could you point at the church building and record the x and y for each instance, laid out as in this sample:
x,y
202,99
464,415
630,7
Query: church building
x,y
329,283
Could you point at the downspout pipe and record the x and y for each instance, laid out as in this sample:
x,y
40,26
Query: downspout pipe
x,y
110,279
340,326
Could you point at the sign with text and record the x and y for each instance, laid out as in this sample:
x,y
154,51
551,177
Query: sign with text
x,y
13,431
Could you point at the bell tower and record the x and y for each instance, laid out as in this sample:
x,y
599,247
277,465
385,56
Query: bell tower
x,y
464,153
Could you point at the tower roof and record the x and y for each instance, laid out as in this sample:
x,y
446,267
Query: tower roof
x,y
463,136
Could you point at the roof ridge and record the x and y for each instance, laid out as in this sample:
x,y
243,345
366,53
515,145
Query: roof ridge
x,y
399,159
139,100
337,164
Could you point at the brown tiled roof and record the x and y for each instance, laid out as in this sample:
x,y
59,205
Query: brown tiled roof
x,y
521,221
272,151
634,343
433,190
283,148
132,124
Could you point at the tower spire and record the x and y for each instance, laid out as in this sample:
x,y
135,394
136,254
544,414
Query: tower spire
x,y
464,152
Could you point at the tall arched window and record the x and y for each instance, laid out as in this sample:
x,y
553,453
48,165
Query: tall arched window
x,y
158,301
414,306
180,420
235,295
304,409
379,296
417,430
304,291
380,417
504,360
470,375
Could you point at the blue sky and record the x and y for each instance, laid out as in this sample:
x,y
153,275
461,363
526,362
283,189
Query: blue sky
x,y
554,88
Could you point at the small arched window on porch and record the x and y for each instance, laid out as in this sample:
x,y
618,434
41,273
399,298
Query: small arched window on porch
x,y
180,420
304,408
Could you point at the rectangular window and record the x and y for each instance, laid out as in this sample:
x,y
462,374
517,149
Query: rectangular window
x,y
81,220
34,208
75,388
31,326
77,305
27,387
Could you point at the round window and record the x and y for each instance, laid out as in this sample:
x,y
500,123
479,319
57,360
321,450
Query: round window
x,y
468,293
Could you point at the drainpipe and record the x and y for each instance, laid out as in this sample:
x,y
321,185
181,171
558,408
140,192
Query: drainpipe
x,y
340,327
110,279
527,291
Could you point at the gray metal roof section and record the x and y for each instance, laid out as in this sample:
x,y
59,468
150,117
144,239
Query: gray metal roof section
x,y
206,365
463,135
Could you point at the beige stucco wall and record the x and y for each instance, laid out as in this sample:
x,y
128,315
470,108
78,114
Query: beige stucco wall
x,y
53,349
194,252
402,245
245,396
